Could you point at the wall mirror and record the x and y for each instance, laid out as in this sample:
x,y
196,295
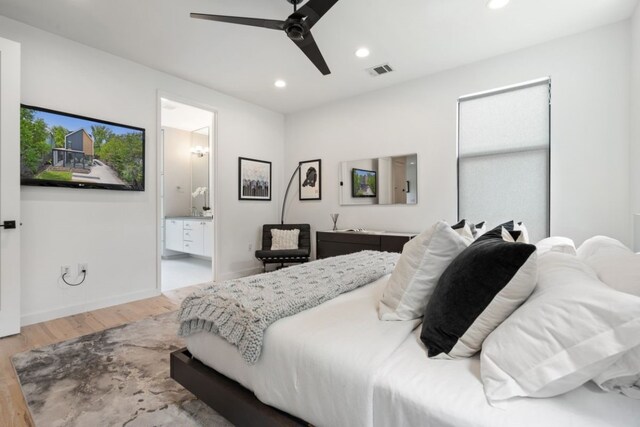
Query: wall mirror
x,y
200,170
380,181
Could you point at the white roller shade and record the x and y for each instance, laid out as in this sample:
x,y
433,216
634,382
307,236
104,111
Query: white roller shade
x,y
503,157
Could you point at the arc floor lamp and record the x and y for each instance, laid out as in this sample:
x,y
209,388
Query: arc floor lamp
x,y
286,193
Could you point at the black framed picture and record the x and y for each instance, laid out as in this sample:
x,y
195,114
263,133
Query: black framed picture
x,y
310,180
364,183
254,179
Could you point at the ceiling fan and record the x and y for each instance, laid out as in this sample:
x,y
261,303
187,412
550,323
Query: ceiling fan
x,y
297,26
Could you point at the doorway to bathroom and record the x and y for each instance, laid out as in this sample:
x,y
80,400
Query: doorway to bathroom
x,y
187,151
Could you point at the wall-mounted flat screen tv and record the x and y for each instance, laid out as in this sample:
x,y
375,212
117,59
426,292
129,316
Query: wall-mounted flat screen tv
x,y
363,183
65,150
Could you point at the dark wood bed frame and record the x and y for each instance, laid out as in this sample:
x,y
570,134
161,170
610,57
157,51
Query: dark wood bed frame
x,y
227,397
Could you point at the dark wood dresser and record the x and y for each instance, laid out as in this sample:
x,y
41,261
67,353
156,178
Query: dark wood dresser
x,y
334,243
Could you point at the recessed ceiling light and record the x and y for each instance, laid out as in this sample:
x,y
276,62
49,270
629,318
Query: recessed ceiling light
x,y
497,4
363,52
280,83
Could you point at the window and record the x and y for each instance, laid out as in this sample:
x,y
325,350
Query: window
x,y
504,156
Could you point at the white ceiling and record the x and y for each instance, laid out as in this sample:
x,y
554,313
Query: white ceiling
x,y
417,37
184,117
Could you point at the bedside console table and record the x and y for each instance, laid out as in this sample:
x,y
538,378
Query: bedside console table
x,y
334,243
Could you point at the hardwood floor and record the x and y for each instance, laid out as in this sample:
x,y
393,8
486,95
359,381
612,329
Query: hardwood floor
x,y
13,409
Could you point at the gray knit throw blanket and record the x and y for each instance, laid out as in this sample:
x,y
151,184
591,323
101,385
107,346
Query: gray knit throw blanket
x,y
240,310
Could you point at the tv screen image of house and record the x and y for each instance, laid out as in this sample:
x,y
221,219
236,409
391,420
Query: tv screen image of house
x,y
66,150
363,183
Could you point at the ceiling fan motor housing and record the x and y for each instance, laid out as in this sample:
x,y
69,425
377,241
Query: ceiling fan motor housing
x,y
295,31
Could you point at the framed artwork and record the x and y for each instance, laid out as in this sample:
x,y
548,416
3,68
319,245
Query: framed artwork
x,y
254,179
364,183
310,180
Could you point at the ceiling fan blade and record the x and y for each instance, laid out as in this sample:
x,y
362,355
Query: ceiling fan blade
x,y
254,22
311,49
315,9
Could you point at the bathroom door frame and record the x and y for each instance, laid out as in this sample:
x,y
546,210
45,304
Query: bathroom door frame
x,y
213,179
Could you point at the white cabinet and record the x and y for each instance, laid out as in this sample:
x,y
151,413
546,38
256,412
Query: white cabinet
x,y
173,239
191,236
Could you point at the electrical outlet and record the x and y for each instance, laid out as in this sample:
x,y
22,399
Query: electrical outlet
x,y
83,267
65,269
250,247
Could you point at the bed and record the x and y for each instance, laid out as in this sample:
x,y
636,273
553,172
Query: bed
x,y
339,365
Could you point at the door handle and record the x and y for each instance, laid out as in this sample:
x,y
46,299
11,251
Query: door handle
x,y
8,225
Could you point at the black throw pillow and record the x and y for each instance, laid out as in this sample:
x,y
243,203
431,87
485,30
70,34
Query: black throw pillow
x,y
477,292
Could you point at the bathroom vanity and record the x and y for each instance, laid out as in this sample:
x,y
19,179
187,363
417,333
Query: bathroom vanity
x,y
189,235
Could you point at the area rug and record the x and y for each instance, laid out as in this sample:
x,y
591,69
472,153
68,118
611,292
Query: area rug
x,y
117,377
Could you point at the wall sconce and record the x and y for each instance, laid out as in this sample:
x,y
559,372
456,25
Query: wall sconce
x,y
199,150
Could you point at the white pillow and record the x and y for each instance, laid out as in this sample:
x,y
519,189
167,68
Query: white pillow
x,y
592,246
523,235
464,230
479,229
572,328
507,236
556,244
623,376
284,239
419,268
616,265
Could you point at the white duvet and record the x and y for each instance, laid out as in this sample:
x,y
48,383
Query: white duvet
x,y
412,390
318,365
339,365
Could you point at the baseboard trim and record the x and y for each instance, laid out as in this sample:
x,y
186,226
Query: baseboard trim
x,y
239,274
177,255
43,316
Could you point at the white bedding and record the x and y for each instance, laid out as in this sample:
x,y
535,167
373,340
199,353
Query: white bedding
x,y
338,365
318,364
413,390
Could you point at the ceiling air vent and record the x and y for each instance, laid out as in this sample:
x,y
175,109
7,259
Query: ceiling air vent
x,y
379,70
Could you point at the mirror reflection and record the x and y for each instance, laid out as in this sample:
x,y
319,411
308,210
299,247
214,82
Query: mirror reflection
x,y
380,181
200,195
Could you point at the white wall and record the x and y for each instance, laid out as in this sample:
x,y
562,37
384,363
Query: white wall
x,y
634,156
590,137
115,232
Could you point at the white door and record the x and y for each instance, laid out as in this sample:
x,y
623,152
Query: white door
x,y
9,187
